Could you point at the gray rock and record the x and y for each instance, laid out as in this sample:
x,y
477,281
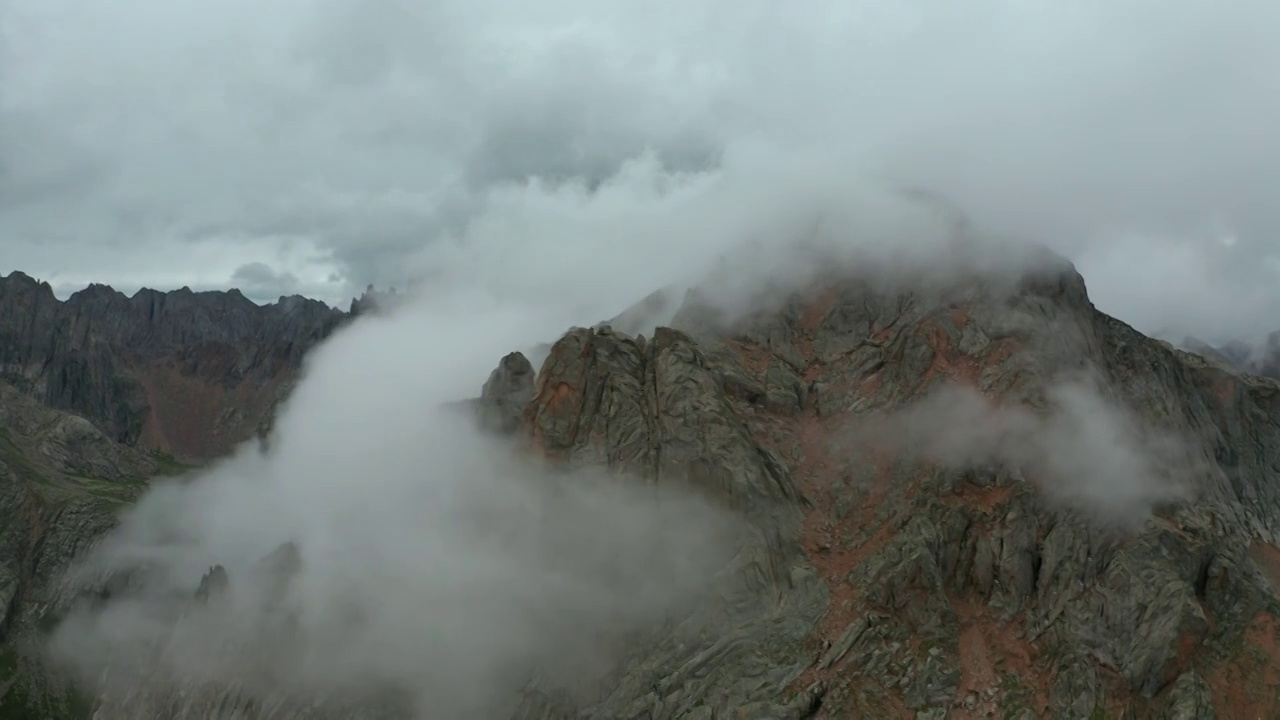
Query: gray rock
x,y
506,394
189,373
61,485
1189,699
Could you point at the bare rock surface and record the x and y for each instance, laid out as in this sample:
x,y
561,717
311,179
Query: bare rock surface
x,y
191,374
952,581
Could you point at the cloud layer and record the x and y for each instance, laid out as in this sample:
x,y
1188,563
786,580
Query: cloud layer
x,y
318,145
433,562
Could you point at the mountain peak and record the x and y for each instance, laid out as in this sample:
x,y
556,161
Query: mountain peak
x,y
18,281
942,477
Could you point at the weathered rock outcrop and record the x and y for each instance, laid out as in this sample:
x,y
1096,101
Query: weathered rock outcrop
x,y
945,590
187,373
658,411
373,300
506,394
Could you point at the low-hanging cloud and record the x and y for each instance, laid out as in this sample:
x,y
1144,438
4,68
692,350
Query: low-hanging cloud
x,y
1082,451
433,562
429,558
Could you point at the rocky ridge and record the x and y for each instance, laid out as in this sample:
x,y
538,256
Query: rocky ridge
x,y
880,578
190,374
98,394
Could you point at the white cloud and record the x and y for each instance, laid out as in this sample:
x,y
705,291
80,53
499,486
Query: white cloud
x,y
1179,285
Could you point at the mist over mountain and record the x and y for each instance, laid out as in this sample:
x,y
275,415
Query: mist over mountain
x,y
1260,357
876,360
881,446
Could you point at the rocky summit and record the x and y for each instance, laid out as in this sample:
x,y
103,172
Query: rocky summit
x,y
903,583
969,500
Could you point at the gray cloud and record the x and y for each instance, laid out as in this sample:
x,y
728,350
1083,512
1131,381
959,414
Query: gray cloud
x,y
1123,134
432,559
260,281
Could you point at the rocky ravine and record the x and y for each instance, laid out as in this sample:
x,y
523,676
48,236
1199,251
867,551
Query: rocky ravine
x,y
185,373
877,581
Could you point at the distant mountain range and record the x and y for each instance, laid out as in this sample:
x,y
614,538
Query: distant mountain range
x,y
189,374
1260,359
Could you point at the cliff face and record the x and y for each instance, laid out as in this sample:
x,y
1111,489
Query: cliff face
x,y
62,483
185,373
972,501
98,395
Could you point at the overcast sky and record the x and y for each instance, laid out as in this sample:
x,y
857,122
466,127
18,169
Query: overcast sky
x,y
316,146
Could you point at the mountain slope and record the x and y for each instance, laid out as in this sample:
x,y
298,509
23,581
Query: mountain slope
x,y
949,585
190,374
62,483
963,501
